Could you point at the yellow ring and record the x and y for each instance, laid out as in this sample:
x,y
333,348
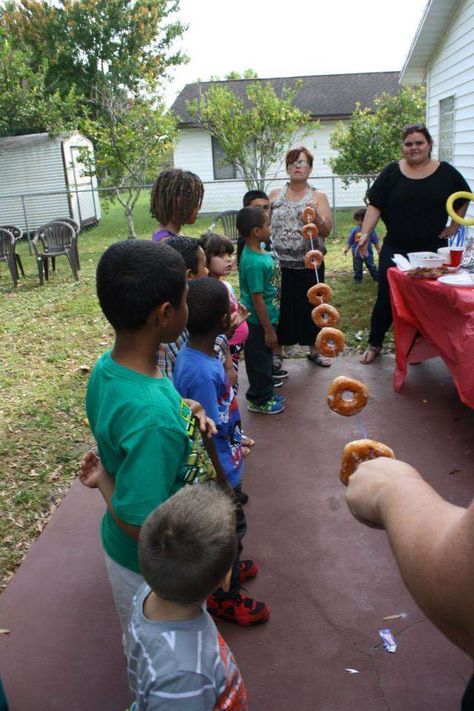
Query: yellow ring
x,y
454,215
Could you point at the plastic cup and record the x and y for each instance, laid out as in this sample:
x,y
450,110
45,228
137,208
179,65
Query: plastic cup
x,y
456,255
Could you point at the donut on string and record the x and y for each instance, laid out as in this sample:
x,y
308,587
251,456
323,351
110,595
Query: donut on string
x,y
325,315
347,396
450,207
359,451
309,214
313,258
319,294
309,231
330,342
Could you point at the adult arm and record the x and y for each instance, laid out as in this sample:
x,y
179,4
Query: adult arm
x,y
323,216
432,541
372,216
261,311
453,226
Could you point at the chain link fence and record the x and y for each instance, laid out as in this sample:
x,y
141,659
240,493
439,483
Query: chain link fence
x,y
30,210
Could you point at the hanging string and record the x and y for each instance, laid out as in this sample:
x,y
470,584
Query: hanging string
x,y
361,427
314,262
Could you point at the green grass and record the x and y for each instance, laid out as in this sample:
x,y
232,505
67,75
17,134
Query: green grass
x,y
51,337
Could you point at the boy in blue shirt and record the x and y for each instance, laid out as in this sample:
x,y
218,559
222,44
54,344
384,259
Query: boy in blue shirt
x,y
198,374
358,260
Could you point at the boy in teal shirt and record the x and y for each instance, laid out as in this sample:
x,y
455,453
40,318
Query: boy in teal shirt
x,y
259,292
142,427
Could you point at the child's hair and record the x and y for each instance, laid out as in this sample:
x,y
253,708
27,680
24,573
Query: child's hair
x,y
359,214
253,195
188,544
175,195
136,276
215,245
248,218
188,249
208,302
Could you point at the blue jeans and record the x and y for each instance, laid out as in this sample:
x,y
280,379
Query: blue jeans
x,y
358,264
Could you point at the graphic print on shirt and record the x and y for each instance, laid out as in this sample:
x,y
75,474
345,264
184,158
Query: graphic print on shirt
x,y
198,467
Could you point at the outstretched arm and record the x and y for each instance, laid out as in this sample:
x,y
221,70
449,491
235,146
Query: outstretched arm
x,y
432,541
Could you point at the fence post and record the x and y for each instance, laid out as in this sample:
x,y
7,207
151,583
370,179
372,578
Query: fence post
x,y
25,216
333,186
93,199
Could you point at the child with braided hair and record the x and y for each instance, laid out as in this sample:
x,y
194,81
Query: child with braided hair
x,y
176,198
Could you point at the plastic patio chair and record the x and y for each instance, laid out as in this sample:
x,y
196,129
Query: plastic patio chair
x,y
77,228
17,234
7,252
56,239
228,224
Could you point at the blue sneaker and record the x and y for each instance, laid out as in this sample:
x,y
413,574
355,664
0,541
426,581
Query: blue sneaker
x,y
279,398
271,407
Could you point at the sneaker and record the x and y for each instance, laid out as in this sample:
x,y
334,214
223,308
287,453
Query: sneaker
x,y
277,383
248,570
279,398
241,610
271,407
279,373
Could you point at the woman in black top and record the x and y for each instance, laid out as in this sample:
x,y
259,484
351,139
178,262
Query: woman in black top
x,y
410,196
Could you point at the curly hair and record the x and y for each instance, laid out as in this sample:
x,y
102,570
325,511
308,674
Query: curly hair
x,y
175,195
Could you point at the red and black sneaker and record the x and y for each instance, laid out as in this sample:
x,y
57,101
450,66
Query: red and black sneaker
x,y
248,570
239,609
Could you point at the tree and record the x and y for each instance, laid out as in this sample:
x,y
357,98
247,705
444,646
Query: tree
x,y
246,74
131,140
372,138
127,42
25,104
254,135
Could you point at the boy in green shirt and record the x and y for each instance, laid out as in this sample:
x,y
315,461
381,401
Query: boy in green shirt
x,y
143,428
259,292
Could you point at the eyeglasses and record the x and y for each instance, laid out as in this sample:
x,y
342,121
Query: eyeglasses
x,y
299,164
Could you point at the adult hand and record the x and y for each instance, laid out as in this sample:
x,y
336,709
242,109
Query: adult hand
x,y
449,231
271,340
363,246
369,486
206,425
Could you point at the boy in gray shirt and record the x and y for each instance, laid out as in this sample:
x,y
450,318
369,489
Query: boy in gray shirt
x,y
177,658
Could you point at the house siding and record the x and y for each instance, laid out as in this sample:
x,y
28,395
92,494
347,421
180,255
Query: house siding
x,y
450,72
193,151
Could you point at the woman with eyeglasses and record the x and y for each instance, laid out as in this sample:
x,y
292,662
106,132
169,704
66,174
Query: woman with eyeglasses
x,y
287,204
410,196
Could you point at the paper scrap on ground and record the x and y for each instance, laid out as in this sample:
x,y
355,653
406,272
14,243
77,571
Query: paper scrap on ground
x,y
388,640
351,671
395,617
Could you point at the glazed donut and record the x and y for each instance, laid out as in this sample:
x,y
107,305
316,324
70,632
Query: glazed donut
x,y
319,294
359,451
325,315
309,214
330,342
313,258
309,231
338,400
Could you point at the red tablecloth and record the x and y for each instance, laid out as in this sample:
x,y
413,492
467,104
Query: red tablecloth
x,y
433,319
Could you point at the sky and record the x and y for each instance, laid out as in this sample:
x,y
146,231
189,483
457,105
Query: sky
x,y
280,39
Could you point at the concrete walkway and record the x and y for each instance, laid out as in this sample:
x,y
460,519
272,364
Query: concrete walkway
x,y
329,580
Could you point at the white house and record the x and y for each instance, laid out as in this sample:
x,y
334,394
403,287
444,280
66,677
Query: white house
x,y
328,98
42,178
442,55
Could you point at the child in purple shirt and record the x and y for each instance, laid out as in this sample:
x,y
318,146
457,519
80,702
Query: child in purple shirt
x,y
176,199
358,260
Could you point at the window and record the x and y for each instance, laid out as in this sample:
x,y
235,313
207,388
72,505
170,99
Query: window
x,y
446,128
222,169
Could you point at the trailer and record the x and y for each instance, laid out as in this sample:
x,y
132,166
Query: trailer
x,y
43,178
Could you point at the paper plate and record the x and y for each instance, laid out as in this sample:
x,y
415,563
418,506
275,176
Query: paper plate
x,y
461,279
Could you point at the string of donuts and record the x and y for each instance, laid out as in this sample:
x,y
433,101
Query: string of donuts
x,y
346,396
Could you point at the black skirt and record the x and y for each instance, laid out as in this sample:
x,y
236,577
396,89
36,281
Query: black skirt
x,y
295,324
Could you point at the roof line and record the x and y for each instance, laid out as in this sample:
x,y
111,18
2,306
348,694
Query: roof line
x,y
296,76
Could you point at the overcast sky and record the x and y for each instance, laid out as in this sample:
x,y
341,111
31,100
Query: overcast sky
x,y
294,39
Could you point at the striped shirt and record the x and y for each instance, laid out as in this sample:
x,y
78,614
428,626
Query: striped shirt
x,y
183,665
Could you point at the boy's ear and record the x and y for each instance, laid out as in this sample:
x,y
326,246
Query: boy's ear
x,y
225,322
189,274
160,315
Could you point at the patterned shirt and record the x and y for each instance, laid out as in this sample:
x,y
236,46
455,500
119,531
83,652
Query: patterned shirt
x,y
182,665
167,352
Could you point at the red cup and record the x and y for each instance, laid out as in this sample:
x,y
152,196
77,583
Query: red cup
x,y
456,255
